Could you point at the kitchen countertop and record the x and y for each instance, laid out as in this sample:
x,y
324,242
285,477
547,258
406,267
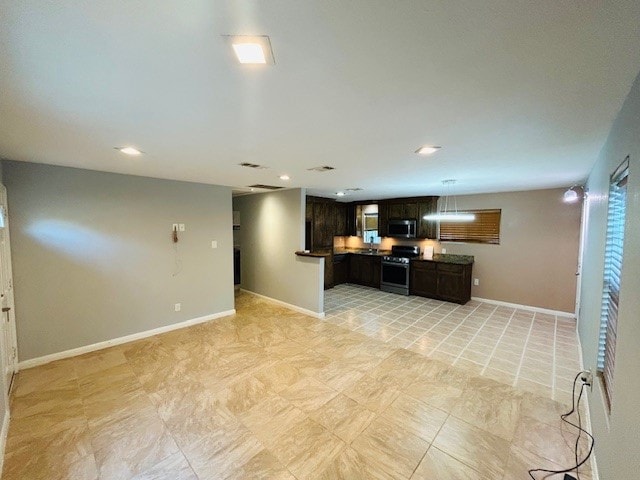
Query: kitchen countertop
x,y
449,258
302,253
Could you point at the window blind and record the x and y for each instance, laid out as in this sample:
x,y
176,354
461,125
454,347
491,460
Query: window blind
x,y
613,257
484,229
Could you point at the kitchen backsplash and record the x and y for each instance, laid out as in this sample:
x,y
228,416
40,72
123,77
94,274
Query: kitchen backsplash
x,y
385,244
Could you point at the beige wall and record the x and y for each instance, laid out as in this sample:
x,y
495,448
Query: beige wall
x,y
93,257
272,229
536,261
617,450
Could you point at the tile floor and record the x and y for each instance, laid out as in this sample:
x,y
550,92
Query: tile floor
x,y
531,351
273,394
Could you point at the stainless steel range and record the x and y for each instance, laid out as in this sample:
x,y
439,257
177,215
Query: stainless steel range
x,y
395,269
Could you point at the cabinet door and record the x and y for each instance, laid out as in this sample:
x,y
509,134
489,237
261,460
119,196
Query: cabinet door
x,y
328,272
424,279
395,210
355,269
323,225
427,228
366,272
341,219
451,282
308,211
341,269
410,211
383,219
375,276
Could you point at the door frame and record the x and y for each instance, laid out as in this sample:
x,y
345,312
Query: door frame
x,y
9,360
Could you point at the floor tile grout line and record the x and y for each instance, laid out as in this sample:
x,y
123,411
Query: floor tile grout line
x,y
436,324
495,347
412,324
474,335
524,349
553,372
454,330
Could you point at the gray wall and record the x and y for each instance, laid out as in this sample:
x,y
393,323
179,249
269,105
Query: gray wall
x,y
93,257
271,230
617,450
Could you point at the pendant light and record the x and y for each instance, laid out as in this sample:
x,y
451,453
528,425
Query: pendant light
x,y
445,215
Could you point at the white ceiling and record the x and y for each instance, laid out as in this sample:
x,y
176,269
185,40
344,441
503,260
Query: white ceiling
x,y
521,94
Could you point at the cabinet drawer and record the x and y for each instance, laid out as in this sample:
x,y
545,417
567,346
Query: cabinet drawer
x,y
421,265
450,268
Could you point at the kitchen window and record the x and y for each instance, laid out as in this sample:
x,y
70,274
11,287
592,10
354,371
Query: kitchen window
x,y
613,255
485,228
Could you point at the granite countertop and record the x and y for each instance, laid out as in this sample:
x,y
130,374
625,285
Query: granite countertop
x,y
302,253
361,251
448,258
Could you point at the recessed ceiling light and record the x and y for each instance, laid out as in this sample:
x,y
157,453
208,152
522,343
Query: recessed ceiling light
x,y
129,150
340,194
251,50
284,177
249,53
427,149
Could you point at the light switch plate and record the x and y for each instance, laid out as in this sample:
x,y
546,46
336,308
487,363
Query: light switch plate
x,y
214,244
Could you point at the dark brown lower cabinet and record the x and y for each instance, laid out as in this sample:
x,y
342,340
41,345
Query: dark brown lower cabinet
x,y
365,270
442,281
341,268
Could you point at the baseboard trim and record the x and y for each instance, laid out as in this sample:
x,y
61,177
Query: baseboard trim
x,y
3,437
595,475
34,362
526,307
288,305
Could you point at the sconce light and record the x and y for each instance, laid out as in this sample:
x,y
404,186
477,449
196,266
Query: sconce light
x,y
571,195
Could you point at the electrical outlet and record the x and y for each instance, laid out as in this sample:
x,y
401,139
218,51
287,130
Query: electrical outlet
x,y
177,307
587,379
444,250
181,227
476,281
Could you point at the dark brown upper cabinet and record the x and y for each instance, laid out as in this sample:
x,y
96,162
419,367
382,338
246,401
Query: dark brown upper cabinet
x,y
413,208
383,219
427,228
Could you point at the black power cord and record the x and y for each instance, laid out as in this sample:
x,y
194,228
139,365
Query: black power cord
x,y
575,406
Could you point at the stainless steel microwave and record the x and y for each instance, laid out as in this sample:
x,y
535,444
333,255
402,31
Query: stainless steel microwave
x,y
402,228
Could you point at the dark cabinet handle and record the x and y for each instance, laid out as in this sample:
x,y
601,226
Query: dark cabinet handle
x,y
5,309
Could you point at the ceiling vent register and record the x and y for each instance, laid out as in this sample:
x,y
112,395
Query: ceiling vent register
x,y
265,187
322,168
252,165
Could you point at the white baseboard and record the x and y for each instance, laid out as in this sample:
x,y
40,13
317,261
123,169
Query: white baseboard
x,y
594,464
34,362
526,307
288,305
3,437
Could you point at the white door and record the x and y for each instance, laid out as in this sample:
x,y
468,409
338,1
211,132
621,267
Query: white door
x,y
8,337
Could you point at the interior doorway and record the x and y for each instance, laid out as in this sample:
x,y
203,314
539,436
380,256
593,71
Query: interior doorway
x,y
8,343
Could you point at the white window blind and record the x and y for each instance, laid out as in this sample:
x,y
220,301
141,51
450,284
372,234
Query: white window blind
x,y
612,276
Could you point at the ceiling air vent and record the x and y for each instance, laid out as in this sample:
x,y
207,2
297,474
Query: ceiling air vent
x,y
265,187
357,189
251,165
323,168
